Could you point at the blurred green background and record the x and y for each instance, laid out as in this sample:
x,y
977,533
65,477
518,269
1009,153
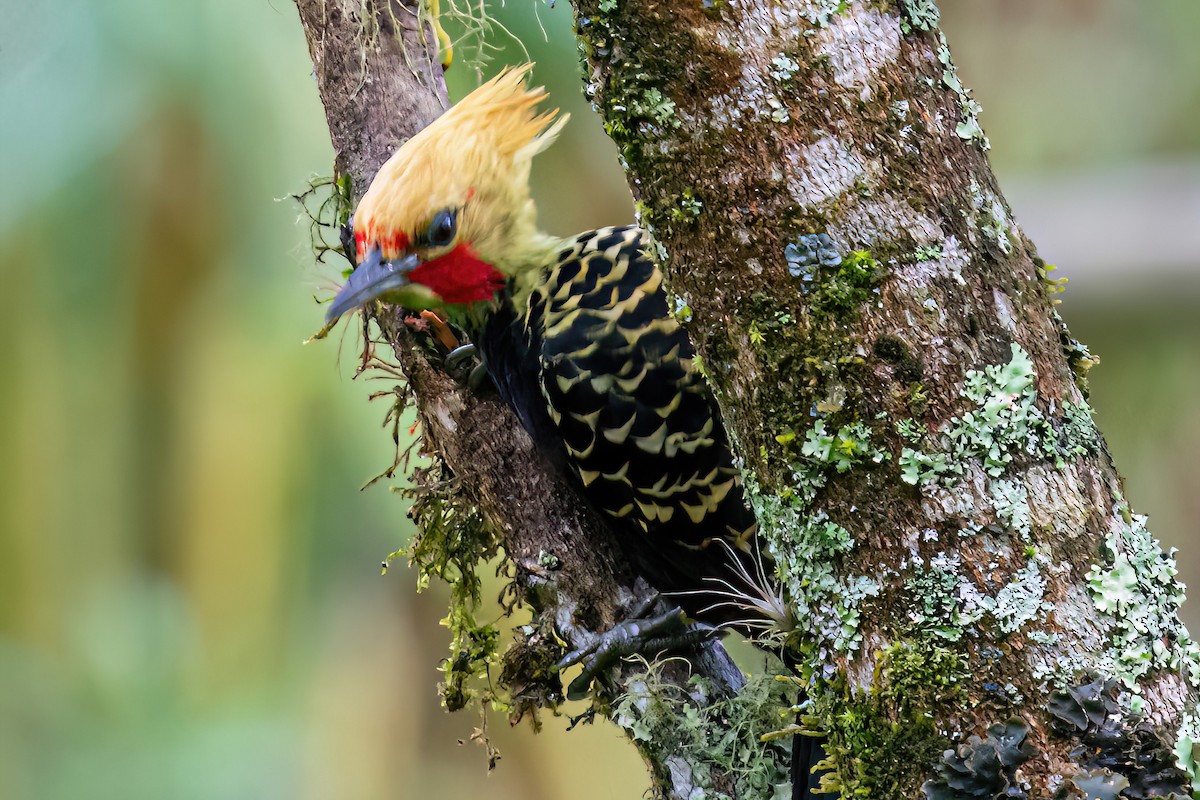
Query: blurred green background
x,y
190,597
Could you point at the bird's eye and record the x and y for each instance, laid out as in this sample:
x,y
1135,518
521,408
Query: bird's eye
x,y
442,228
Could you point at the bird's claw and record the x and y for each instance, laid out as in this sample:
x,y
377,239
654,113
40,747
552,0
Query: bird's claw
x,y
647,635
461,355
463,364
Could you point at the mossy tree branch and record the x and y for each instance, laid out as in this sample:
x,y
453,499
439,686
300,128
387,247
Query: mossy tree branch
x,y
380,82
909,406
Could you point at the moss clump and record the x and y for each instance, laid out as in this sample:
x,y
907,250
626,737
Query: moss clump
x,y
452,540
692,732
882,744
836,285
840,291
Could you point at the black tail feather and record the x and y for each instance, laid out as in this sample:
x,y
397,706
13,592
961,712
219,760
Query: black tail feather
x,y
807,752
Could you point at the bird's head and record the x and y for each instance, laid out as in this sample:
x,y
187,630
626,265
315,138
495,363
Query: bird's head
x,y
448,218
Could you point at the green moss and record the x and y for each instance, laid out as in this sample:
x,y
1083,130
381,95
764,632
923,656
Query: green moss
x,y
452,541
842,290
881,743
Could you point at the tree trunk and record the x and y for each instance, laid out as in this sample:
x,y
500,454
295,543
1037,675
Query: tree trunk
x,y
910,408
980,613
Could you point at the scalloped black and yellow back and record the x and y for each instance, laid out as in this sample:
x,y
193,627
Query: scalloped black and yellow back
x,y
604,377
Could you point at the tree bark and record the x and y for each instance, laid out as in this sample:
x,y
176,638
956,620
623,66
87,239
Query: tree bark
x,y
910,408
380,82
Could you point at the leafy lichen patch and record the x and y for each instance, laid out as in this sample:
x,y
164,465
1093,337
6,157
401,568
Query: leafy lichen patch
x,y
806,546
1004,423
1135,587
919,15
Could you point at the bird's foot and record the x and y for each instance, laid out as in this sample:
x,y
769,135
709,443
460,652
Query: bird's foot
x,y
463,364
643,633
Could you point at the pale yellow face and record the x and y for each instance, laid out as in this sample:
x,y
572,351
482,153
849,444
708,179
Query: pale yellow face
x,y
472,163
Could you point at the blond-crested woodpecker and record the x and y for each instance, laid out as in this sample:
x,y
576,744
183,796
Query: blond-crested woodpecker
x,y
577,337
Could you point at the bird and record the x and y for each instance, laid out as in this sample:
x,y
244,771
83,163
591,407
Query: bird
x,y
578,338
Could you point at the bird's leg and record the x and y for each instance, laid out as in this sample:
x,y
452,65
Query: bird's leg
x,y
642,633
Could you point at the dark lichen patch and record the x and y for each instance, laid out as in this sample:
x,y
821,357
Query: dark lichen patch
x,y
984,767
1120,755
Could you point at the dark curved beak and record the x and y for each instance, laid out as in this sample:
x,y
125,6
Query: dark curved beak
x,y
372,278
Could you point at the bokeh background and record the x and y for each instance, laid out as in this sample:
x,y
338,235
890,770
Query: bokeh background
x,y
191,603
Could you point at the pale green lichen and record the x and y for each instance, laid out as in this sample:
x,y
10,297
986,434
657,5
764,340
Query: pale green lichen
x,y
911,430
1187,744
1010,499
695,734
1078,435
653,105
823,11
1021,600
920,15
968,127
783,68
991,217
1136,589
927,253
946,603
848,446
1004,423
805,546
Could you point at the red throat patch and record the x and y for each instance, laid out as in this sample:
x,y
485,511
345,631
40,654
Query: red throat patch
x,y
459,277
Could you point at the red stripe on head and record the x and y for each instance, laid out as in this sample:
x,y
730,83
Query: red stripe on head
x,y
392,244
459,277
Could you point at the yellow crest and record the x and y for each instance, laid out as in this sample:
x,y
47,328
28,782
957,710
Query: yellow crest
x,y
474,160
